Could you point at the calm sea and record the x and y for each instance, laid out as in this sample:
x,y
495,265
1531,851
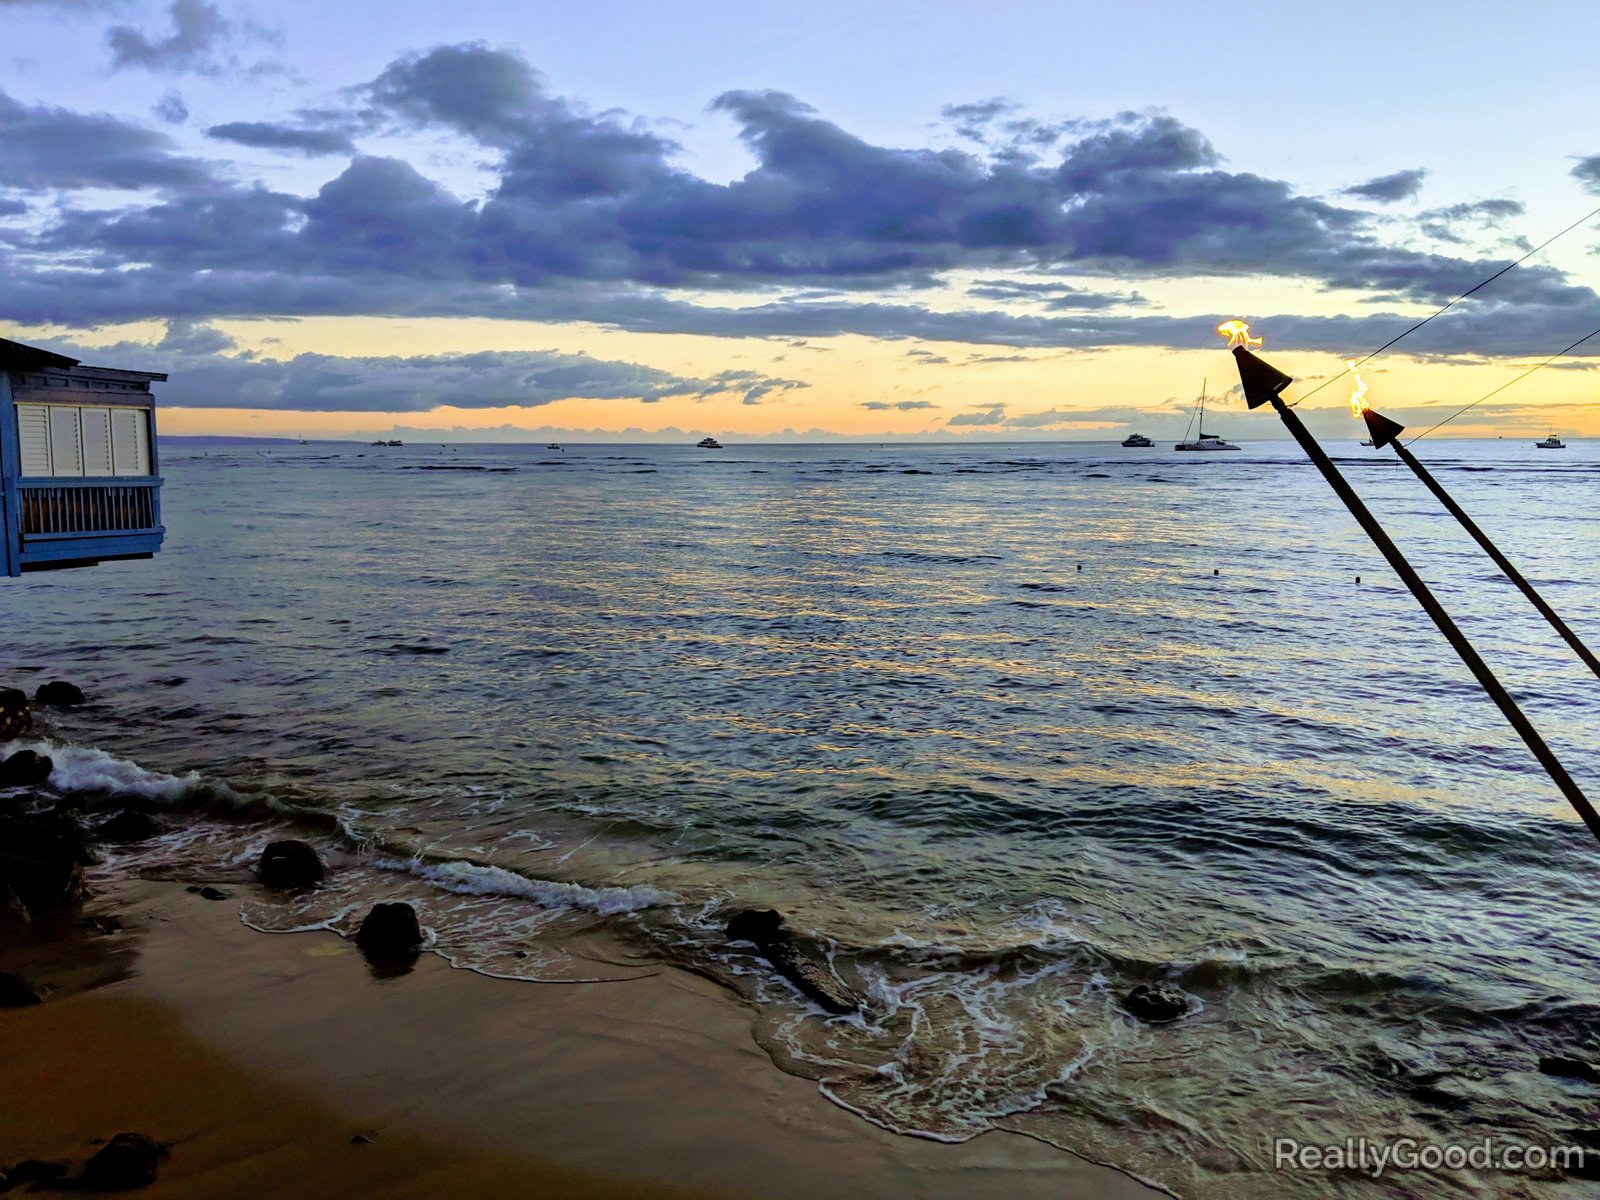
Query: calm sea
x,y
1009,728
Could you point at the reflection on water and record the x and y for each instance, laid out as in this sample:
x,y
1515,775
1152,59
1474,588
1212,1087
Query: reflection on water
x,y
633,688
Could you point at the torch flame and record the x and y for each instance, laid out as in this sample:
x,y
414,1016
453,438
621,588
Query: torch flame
x,y
1358,394
1238,334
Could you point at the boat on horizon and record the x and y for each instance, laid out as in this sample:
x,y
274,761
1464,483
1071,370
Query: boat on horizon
x,y
551,446
1137,439
1551,442
709,443
1205,441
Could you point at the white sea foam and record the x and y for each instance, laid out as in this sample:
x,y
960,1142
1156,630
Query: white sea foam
x,y
472,879
85,769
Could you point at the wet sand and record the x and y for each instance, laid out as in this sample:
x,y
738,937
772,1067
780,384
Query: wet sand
x,y
262,1056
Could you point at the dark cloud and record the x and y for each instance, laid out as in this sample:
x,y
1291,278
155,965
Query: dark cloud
x,y
198,28
589,217
205,376
993,415
1587,172
1388,189
897,405
43,148
1056,297
264,135
1445,223
171,109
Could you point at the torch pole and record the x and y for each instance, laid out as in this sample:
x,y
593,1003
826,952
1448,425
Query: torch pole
x,y
1458,641
1500,560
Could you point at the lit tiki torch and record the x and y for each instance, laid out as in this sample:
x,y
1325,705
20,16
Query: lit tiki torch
x,y
1385,432
1262,385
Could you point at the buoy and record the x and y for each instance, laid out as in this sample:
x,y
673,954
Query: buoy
x,y
1216,570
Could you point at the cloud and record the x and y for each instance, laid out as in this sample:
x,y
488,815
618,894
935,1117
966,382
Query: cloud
x,y
1388,189
897,405
589,216
43,149
204,375
1587,172
264,135
993,415
1444,223
171,109
198,28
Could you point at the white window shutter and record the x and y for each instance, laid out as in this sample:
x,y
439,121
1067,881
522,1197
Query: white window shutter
x,y
130,441
96,441
33,437
66,451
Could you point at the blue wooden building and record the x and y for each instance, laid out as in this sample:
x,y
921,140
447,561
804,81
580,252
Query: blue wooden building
x,y
78,481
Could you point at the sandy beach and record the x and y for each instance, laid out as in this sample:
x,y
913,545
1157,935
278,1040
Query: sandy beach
x,y
280,1065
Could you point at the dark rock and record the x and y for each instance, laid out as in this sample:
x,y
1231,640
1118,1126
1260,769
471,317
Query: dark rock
x,y
290,864
1156,1002
15,719
25,768
41,862
362,1139
211,893
1569,1068
16,994
35,1170
127,1161
756,925
59,693
798,965
389,930
41,886
130,826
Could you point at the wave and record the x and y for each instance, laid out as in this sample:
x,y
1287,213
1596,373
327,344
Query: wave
x,y
477,879
85,769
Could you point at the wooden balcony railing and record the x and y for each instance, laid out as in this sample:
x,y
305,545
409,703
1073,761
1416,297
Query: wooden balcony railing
x,y
64,507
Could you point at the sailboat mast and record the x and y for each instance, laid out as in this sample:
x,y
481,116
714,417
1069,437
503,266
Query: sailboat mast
x,y
1203,381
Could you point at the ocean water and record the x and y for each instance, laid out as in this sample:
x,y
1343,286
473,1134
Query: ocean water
x,y
1007,728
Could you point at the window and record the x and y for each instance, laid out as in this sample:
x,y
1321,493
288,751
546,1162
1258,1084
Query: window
x,y
61,440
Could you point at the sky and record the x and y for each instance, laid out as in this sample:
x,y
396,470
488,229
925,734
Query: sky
x,y
647,221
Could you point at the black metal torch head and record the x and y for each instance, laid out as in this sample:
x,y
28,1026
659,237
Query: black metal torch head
x,y
1382,430
1261,380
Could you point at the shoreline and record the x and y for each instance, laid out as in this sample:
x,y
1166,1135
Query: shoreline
x,y
653,1087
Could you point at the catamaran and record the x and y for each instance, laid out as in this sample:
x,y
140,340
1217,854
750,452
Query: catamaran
x,y
1206,441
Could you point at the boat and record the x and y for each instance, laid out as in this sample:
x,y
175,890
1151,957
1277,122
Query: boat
x,y
1551,442
1137,439
552,446
709,443
394,442
1366,441
1206,441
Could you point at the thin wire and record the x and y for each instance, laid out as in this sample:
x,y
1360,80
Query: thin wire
x,y
1504,386
1441,311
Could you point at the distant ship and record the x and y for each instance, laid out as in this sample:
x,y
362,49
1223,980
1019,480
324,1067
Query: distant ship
x,y
551,446
394,442
1551,442
1206,441
709,443
1137,439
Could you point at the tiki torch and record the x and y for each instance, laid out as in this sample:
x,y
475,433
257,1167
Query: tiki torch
x,y
1385,432
1262,384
